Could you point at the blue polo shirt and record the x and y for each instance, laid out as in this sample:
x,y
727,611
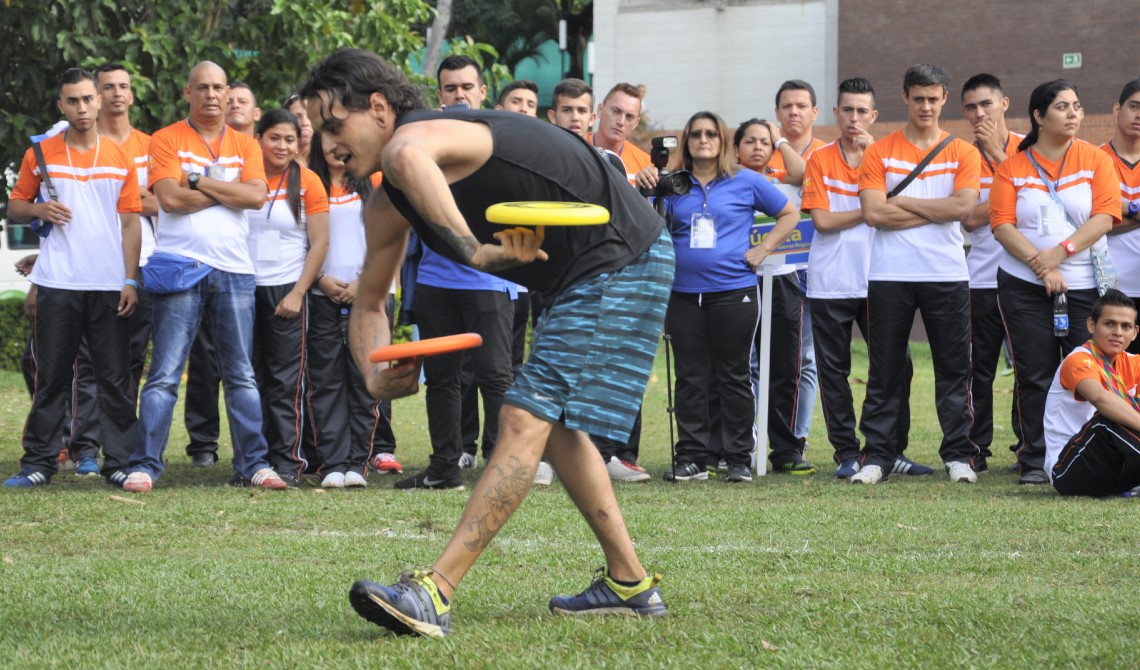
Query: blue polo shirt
x,y
437,271
733,201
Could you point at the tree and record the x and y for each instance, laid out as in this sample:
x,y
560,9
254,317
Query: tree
x,y
515,28
268,43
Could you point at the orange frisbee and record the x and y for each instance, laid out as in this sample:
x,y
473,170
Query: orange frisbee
x,y
430,347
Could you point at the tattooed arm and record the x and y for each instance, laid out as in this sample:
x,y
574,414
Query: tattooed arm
x,y
387,235
423,158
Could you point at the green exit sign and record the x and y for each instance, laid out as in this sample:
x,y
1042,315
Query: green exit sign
x,y
1071,61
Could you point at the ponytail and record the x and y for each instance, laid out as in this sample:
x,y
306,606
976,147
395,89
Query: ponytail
x,y
293,189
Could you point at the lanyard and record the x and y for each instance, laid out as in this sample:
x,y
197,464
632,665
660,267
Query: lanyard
x,y
67,147
276,192
222,138
1111,377
1049,182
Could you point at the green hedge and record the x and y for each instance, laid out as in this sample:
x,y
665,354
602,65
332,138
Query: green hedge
x,y
15,327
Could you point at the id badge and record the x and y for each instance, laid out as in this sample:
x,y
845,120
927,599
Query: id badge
x,y
216,172
703,234
268,246
1052,220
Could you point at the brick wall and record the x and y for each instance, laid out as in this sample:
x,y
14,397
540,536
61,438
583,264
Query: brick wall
x,y
1019,41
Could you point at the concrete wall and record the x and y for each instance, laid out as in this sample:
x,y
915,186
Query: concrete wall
x,y
728,56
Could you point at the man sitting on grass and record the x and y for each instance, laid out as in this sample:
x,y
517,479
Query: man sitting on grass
x,y
1092,415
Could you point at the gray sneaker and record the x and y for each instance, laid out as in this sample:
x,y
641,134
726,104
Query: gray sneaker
x,y
625,471
467,461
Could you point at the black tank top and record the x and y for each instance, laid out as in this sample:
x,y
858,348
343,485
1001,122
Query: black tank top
x,y
535,160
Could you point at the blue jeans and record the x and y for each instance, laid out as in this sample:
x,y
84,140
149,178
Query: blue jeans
x,y
228,298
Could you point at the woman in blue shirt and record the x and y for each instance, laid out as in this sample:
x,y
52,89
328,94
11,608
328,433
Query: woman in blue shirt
x,y
714,307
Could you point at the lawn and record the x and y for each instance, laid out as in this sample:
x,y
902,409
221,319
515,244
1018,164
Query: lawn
x,y
782,573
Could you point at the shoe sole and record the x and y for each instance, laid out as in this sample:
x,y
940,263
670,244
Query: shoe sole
x,y
136,489
633,479
609,611
737,480
376,610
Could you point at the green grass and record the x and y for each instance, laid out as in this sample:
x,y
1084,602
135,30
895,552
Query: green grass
x,y
783,573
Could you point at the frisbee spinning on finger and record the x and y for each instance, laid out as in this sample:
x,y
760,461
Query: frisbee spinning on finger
x,y
543,213
430,347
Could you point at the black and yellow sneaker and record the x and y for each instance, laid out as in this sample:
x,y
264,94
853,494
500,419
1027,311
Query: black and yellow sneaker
x,y
605,596
411,606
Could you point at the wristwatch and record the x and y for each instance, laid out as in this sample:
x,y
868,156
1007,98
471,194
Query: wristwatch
x,y
1134,209
781,141
1069,247
193,180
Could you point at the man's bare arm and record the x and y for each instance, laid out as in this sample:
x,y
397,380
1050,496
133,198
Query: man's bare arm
x,y
175,199
878,213
957,207
386,233
833,222
1110,405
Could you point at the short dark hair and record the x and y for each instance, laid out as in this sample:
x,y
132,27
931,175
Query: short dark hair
x,y
351,76
1130,89
738,137
1039,101
516,85
241,84
795,85
571,88
983,80
110,67
458,63
925,74
74,75
623,87
1111,298
856,86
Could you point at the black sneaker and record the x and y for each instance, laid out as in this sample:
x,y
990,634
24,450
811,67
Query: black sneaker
x,y
738,473
239,480
204,459
116,479
798,467
427,480
686,472
1033,476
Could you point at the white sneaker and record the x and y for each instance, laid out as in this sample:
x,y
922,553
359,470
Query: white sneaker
x,y
624,471
467,461
544,475
333,480
960,471
354,480
869,474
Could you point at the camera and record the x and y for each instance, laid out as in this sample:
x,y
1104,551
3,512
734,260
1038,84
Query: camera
x,y
668,183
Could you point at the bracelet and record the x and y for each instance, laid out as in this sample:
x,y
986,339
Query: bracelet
x,y
131,282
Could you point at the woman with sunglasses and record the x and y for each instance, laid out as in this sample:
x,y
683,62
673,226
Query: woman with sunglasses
x,y
714,307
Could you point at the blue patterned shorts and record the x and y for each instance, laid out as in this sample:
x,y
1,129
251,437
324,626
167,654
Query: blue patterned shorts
x,y
593,349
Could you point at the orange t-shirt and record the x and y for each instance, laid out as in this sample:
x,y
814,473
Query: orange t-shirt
x,y
927,253
97,185
776,168
216,235
632,156
1085,183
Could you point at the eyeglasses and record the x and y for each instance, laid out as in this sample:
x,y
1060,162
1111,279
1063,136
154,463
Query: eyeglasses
x,y
707,134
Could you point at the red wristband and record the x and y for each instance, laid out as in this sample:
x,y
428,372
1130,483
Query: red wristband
x,y
1069,247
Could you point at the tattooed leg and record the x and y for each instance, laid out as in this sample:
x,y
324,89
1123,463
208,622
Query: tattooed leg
x,y
499,492
582,472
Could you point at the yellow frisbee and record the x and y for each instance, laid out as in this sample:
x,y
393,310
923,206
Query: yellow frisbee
x,y
540,213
